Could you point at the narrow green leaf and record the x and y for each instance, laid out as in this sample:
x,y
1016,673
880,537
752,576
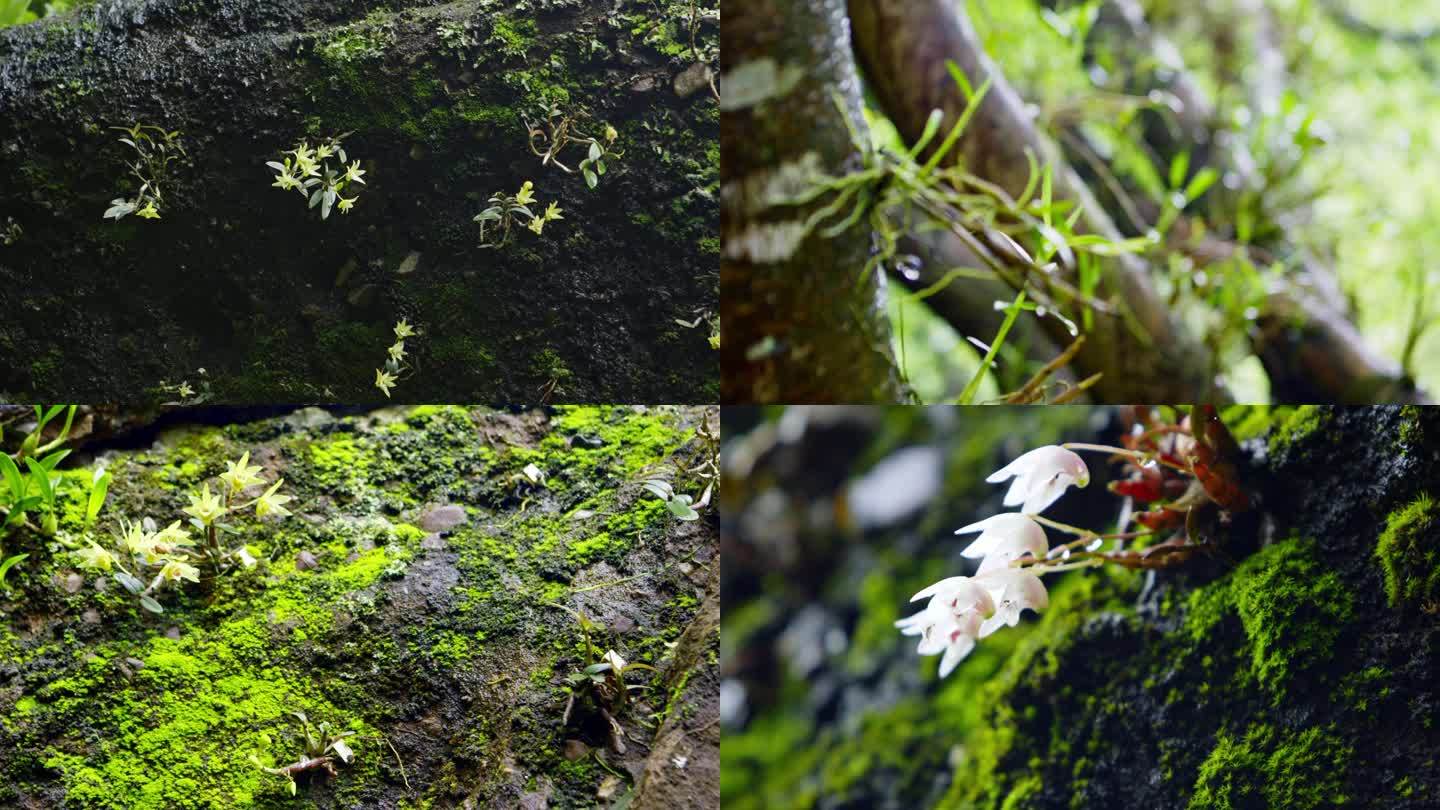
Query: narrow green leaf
x,y
12,477
1011,313
1179,167
97,498
9,563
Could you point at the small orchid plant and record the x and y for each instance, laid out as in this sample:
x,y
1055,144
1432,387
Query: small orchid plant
x,y
1189,476
395,365
308,170
144,558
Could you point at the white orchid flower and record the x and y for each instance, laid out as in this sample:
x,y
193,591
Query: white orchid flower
x,y
1003,538
952,620
1041,477
1012,590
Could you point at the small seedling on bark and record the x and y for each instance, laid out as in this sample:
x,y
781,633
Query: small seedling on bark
x,y
601,682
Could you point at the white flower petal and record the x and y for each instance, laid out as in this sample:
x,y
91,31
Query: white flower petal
x,y
1007,536
1016,467
955,653
1041,476
1019,489
958,594
1038,499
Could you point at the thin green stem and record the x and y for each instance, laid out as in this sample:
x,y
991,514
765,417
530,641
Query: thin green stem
x,y
1011,313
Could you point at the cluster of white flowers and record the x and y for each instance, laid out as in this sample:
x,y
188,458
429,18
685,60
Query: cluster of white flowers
x,y
963,610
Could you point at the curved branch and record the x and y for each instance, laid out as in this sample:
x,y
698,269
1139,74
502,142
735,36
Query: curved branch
x,y
904,48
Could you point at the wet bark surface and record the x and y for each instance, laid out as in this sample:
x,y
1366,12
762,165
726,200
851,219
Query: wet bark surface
x,y
803,323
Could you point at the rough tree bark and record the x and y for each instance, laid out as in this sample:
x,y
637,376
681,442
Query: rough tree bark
x,y
801,324
238,278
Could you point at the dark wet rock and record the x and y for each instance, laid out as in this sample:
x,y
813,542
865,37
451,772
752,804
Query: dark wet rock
x,y
575,749
72,582
304,561
443,518
693,79
228,270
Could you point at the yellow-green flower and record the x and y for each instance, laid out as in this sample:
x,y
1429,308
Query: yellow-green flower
x,y
149,211
353,173
525,195
136,538
537,224
173,536
403,329
384,380
553,212
185,391
323,151
610,133
175,570
205,507
286,180
397,351
95,558
346,203
240,474
271,503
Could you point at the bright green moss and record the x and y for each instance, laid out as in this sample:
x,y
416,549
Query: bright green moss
x,y
1023,790
179,735
1270,767
453,649
597,546
1409,554
365,570
342,463
647,514
1247,421
614,436
1291,606
515,36
1294,425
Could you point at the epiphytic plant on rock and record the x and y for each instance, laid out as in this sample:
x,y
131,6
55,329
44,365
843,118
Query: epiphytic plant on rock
x,y
555,130
155,148
171,556
308,170
1187,470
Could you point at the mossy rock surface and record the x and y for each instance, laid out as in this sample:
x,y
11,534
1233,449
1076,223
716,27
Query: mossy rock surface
x,y
238,278
1280,673
434,623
